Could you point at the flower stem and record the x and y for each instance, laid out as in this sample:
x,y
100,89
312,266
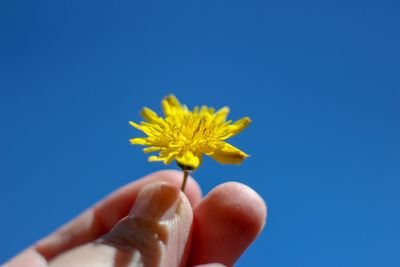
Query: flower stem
x,y
185,176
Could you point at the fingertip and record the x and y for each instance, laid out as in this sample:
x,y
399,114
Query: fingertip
x,y
226,222
241,204
158,225
175,177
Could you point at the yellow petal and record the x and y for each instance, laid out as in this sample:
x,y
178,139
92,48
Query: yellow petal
x,y
189,160
238,126
137,126
171,156
170,105
165,157
203,110
150,115
150,149
151,129
155,158
221,115
138,141
228,154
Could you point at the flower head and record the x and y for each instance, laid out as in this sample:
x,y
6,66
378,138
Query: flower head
x,y
184,135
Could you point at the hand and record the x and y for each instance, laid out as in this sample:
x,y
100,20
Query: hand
x,y
150,222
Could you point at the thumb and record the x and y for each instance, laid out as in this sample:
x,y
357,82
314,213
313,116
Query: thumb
x,y
156,232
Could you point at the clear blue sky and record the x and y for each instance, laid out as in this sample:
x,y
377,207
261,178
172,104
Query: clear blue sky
x,y
320,79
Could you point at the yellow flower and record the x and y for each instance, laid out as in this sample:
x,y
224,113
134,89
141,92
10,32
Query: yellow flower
x,y
185,135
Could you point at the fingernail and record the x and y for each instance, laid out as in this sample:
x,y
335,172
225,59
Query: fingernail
x,y
156,202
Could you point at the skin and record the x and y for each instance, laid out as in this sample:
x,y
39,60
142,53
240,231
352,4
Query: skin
x,y
150,222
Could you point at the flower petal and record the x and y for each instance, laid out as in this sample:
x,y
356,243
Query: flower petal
x,y
238,126
137,126
228,154
221,115
149,115
188,159
151,149
155,158
139,141
171,156
170,105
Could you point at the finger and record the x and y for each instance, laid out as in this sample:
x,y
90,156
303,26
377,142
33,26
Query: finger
x,y
226,222
99,219
155,233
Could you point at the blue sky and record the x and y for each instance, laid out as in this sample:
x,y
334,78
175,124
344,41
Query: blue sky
x,y
320,79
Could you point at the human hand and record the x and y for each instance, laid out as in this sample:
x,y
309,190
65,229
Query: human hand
x,y
150,222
